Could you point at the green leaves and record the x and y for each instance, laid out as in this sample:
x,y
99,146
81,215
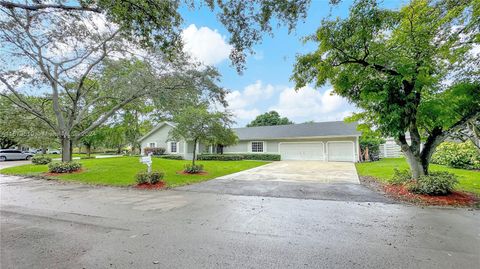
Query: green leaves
x,y
199,124
269,119
391,63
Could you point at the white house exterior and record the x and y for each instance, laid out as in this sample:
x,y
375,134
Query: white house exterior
x,y
323,141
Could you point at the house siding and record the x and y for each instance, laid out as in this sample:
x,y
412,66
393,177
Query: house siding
x,y
161,138
272,146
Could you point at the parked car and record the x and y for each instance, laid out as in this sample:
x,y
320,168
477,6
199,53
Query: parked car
x,y
53,151
14,154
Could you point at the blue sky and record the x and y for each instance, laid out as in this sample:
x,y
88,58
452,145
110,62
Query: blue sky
x,y
265,84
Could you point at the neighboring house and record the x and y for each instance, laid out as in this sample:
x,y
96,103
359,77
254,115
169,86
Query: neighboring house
x,y
324,141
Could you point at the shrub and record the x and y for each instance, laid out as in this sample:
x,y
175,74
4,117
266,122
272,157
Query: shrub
x,y
152,178
372,142
154,151
436,183
459,155
142,177
262,157
193,168
400,177
220,157
171,157
64,167
41,159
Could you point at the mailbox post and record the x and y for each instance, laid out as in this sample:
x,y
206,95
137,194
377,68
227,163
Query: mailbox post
x,y
148,161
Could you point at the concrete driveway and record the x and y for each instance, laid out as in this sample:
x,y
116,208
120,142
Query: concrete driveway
x,y
301,171
294,179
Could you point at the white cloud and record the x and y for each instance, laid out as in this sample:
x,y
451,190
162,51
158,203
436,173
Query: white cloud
x,y
242,103
205,44
310,104
257,90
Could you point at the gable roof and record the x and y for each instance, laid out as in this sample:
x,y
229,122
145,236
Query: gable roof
x,y
156,128
303,130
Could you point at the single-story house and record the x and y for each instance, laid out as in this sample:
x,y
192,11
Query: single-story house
x,y
324,141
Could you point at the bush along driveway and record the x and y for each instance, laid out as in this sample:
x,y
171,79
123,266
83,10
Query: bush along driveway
x,y
121,171
467,190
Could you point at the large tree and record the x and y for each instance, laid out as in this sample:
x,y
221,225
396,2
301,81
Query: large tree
x,y
20,128
74,63
158,23
269,119
410,70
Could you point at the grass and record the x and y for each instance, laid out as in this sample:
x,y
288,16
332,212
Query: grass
x,y
469,180
121,171
56,156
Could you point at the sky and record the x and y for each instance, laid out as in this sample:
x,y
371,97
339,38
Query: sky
x,y
265,84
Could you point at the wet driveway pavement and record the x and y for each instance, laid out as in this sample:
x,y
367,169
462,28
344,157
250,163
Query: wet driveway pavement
x,y
47,224
294,179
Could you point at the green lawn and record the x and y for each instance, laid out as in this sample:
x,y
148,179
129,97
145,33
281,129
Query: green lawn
x,y
383,170
120,171
56,156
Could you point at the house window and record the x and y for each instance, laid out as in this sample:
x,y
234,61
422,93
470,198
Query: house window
x,y
152,145
257,146
173,147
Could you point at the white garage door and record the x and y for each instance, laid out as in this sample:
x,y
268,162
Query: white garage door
x,y
302,151
340,151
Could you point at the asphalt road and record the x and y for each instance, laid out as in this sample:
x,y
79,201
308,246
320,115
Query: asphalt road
x,y
45,224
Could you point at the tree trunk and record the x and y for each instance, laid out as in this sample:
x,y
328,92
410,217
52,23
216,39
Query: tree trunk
x,y
66,149
89,150
412,154
416,165
194,151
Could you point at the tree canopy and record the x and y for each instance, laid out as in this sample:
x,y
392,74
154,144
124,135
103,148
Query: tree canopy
x,y
269,119
158,23
197,124
409,70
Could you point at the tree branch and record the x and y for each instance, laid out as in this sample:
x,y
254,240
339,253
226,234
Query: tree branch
x,y
36,7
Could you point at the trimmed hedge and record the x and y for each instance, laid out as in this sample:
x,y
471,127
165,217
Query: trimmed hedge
x,y
64,167
152,178
261,157
41,159
238,157
219,157
171,157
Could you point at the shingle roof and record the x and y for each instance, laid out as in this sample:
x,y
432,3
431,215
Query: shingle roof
x,y
315,129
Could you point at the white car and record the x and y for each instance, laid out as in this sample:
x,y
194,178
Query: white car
x,y
53,151
13,154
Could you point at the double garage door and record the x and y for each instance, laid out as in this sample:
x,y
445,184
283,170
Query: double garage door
x,y
331,151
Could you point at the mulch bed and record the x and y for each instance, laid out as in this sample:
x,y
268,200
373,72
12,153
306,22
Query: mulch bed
x,y
456,198
148,186
199,173
401,193
48,174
